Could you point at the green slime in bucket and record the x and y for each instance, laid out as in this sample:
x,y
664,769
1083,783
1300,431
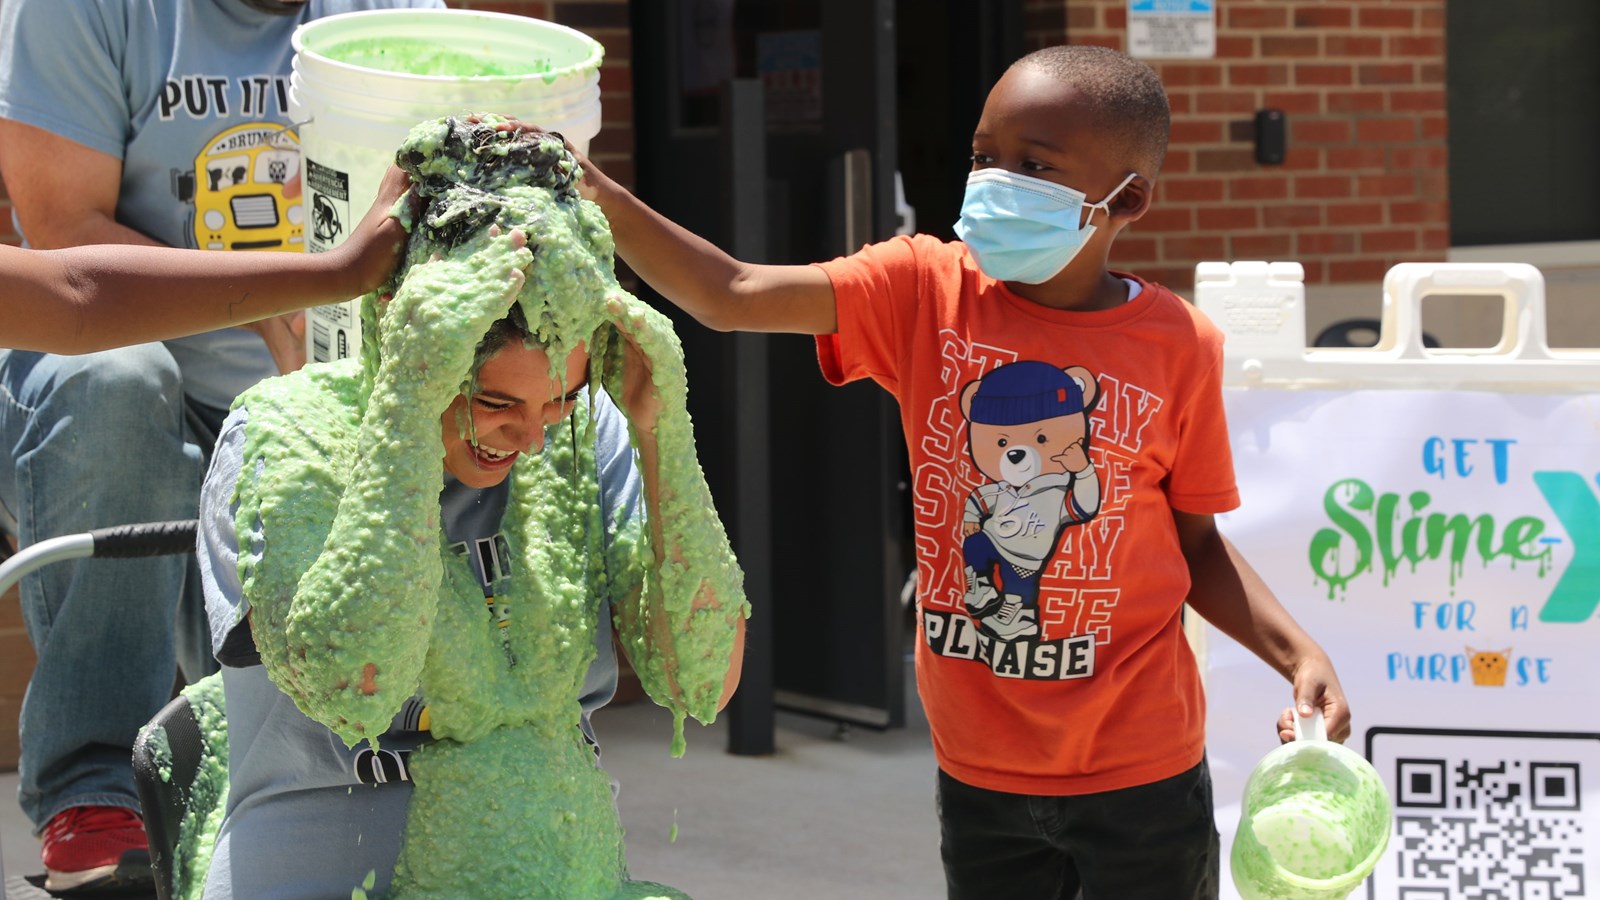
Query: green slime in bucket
x,y
414,56
1314,821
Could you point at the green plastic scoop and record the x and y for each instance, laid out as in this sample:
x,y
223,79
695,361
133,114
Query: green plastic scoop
x,y
1314,821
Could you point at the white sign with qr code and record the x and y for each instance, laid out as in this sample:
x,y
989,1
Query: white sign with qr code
x,y
1487,815
1443,548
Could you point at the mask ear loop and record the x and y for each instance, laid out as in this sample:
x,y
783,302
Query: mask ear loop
x,y
1105,205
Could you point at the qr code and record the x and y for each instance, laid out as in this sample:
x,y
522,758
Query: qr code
x,y
1484,815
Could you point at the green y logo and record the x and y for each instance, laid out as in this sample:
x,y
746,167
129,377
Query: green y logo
x,y
1578,592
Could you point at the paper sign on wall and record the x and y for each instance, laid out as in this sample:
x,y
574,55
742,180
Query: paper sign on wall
x,y
1183,29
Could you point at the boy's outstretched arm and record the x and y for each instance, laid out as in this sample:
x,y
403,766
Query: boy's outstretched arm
x,y
721,292
1230,595
89,298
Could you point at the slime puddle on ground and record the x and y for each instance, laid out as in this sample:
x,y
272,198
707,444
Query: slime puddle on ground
x,y
357,606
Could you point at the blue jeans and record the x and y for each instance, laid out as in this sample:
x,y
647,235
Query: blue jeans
x,y
1152,842
93,441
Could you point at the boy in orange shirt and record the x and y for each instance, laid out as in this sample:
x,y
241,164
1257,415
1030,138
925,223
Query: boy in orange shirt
x,y
1068,454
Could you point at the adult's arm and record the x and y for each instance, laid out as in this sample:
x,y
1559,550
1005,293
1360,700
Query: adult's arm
x,y
84,299
65,195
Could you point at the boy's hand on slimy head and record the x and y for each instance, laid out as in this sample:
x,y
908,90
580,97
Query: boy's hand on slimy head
x,y
378,243
1317,687
593,180
588,185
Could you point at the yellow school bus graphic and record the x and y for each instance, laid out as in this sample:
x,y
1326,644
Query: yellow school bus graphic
x,y
237,187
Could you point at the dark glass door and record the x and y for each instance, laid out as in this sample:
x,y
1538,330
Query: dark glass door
x,y
1524,106
809,478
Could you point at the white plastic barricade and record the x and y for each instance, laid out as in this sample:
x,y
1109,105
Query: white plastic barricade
x,y
1431,516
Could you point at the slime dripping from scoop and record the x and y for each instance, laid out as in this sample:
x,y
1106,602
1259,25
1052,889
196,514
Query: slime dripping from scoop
x,y
355,604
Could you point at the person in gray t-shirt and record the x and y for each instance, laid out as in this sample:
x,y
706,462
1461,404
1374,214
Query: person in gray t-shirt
x,y
131,123
540,526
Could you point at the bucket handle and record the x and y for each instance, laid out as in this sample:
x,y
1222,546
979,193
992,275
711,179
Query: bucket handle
x,y
1310,728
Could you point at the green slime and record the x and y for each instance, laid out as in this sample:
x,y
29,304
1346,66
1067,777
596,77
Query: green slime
x,y
415,56
357,604
1314,820
204,797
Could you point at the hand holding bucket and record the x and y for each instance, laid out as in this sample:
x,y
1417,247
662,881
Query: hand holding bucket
x,y
1314,821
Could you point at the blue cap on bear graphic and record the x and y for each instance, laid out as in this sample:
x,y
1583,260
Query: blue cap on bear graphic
x,y
1025,391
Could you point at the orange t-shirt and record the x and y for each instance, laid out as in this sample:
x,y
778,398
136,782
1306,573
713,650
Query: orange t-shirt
x,y
1047,450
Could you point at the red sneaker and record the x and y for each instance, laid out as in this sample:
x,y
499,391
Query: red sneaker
x,y
94,849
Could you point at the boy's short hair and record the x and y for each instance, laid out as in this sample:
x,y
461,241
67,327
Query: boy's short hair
x,y
1125,94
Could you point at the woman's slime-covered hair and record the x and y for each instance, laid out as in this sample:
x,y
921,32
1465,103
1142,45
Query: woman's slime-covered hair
x,y
474,176
483,176
494,197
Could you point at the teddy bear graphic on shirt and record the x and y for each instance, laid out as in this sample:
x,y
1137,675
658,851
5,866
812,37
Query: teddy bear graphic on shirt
x,y
1028,432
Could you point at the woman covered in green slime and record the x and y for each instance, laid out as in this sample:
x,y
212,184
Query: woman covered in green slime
x,y
409,672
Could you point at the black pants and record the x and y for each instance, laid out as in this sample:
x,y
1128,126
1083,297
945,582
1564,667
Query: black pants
x,y
1156,841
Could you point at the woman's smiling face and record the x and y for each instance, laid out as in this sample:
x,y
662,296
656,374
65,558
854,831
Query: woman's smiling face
x,y
515,401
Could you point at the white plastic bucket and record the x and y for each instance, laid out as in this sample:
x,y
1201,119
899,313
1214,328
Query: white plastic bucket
x,y
1315,819
361,81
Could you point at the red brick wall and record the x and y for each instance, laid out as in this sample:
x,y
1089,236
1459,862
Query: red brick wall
x,y
1364,183
16,667
604,20
607,22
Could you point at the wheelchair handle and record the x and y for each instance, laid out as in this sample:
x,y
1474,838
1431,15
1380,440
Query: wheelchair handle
x,y
118,541
144,539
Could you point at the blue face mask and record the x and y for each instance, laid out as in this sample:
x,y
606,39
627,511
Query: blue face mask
x,y
1025,229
